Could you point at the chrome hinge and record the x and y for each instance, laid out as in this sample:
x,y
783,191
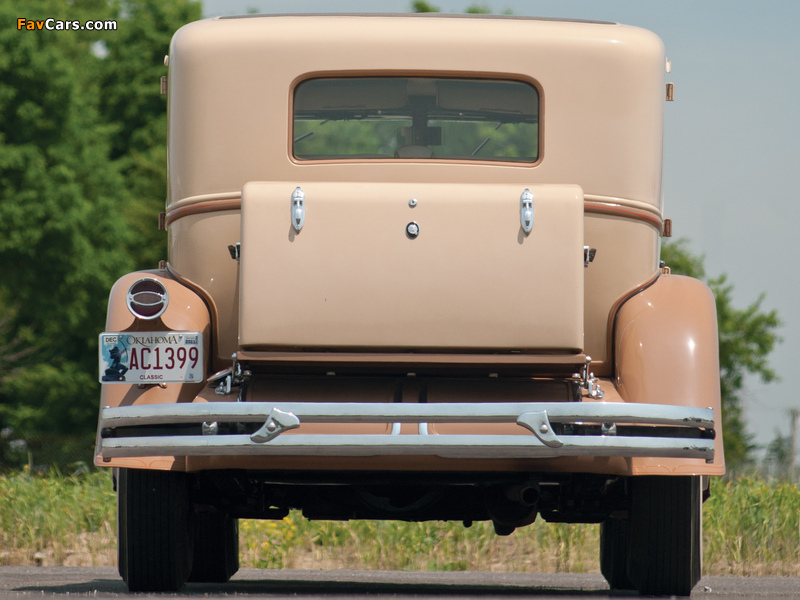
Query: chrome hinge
x,y
526,211
227,379
222,379
588,255
298,209
589,382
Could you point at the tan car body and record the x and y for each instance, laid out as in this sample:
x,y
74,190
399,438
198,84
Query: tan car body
x,y
602,90
471,310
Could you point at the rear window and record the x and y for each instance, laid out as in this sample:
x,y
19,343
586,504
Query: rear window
x,y
416,118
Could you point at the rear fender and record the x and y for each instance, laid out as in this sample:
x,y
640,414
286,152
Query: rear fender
x,y
666,351
186,311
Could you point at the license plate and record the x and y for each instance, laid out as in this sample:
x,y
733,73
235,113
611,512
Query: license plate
x,y
151,357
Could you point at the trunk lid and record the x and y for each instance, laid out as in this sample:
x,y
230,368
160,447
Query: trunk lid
x,y
353,278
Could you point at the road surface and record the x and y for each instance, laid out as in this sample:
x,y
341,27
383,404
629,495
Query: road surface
x,y
104,582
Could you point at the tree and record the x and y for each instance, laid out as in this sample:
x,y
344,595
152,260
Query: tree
x,y
420,6
777,461
130,100
746,338
71,184
61,238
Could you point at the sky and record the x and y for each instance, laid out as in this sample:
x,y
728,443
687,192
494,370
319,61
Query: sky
x,y
731,180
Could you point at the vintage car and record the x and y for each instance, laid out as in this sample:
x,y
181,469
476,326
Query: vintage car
x,y
413,273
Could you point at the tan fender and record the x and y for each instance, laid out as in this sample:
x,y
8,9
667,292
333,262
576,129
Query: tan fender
x,y
186,312
666,351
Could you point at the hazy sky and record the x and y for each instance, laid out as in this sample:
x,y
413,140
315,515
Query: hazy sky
x,y
732,144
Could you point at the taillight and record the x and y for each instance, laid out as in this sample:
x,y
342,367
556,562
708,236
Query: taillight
x,y
147,298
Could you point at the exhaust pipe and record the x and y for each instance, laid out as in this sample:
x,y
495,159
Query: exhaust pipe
x,y
526,495
512,506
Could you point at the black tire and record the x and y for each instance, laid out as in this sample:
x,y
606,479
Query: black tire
x,y
154,519
665,535
216,548
614,541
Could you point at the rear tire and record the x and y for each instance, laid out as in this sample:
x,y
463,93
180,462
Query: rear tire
x,y
665,550
216,548
154,518
614,540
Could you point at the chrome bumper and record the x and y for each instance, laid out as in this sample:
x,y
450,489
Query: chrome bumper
x,y
553,430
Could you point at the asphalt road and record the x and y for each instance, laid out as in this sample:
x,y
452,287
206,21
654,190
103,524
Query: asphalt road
x,y
103,582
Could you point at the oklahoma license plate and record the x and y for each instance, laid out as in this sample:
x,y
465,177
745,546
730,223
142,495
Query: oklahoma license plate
x,y
151,357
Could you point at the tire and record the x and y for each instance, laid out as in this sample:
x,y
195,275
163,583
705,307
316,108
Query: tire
x,y
665,550
614,541
154,519
216,548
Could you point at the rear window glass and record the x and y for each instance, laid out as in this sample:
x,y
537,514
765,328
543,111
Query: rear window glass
x,y
416,118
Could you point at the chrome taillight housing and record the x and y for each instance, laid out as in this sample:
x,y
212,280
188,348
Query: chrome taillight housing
x,y
147,298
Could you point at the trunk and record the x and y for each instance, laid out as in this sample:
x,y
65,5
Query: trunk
x,y
354,277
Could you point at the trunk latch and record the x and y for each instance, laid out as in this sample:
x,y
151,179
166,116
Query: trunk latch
x,y
298,209
526,211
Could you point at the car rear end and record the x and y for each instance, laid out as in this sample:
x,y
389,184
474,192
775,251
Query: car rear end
x,y
412,276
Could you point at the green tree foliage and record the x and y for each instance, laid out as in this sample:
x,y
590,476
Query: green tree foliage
x,y
75,166
478,9
130,76
746,338
420,6
61,239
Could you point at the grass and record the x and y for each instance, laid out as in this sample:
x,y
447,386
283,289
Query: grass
x,y
751,527
295,542
57,520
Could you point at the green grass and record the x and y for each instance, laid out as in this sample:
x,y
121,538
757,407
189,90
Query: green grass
x,y
57,519
295,542
750,527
